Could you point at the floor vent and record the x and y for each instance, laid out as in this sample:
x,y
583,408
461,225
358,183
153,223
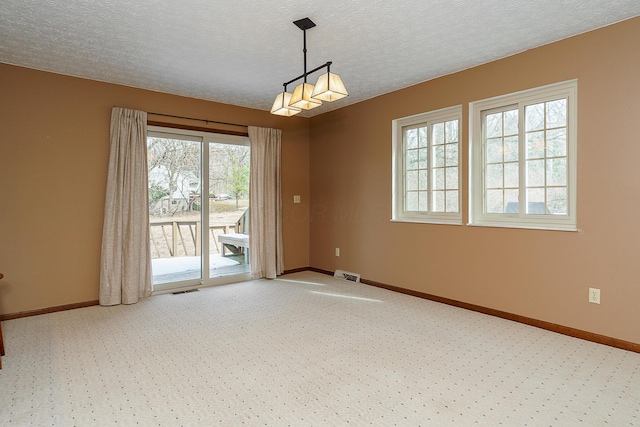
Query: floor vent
x,y
184,292
346,275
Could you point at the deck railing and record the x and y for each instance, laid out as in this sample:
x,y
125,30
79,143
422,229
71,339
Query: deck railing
x,y
182,238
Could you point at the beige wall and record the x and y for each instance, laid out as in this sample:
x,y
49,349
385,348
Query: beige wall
x,y
54,151
539,274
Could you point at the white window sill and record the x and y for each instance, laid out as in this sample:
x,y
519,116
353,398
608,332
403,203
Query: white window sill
x,y
525,226
424,221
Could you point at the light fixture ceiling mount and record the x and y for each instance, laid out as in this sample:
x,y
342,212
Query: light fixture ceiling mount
x,y
329,86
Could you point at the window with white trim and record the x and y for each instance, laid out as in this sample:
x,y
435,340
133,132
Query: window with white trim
x,y
426,167
523,159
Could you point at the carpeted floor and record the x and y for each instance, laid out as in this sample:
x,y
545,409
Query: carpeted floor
x,y
304,350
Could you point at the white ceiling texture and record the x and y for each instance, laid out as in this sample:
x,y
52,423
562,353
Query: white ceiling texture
x,y
240,52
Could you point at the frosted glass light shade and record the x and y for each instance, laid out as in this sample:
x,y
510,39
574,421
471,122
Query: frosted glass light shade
x,y
329,87
301,97
281,105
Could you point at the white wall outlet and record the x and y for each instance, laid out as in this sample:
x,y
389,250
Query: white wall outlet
x,y
594,295
337,251
296,199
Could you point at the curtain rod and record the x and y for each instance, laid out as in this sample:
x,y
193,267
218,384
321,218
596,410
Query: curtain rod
x,y
201,120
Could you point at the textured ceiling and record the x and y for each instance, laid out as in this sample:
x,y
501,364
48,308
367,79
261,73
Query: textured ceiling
x,y
240,52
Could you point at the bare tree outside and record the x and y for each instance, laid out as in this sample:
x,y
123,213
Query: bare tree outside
x,y
237,171
174,174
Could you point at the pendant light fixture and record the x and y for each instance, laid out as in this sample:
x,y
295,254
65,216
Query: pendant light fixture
x,y
306,96
281,105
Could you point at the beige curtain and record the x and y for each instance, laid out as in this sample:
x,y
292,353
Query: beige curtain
x,y
125,269
265,222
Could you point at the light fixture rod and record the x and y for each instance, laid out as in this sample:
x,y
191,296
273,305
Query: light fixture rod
x,y
327,65
304,52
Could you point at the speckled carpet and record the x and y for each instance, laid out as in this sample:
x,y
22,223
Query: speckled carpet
x,y
306,350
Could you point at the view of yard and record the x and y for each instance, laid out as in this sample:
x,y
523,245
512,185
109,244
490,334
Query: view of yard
x,y
223,218
176,201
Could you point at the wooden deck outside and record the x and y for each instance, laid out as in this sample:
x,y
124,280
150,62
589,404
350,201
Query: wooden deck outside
x,y
173,242
194,274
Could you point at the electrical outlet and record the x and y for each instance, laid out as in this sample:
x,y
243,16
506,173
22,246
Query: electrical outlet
x,y
296,199
337,251
594,295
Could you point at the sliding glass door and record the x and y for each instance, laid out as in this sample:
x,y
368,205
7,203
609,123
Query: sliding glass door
x,y
197,237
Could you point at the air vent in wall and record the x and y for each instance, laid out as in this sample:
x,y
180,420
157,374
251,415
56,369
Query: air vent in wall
x,y
346,275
